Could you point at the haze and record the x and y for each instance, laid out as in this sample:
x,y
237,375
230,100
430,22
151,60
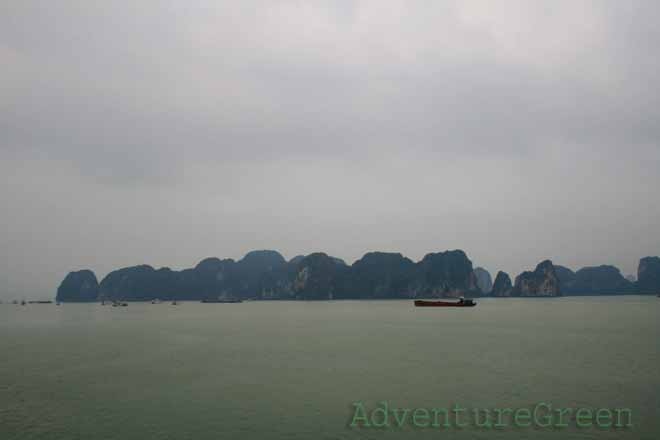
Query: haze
x,y
165,132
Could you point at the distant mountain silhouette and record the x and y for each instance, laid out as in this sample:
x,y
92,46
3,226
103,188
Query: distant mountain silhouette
x,y
484,281
265,274
543,281
502,287
80,286
648,275
599,280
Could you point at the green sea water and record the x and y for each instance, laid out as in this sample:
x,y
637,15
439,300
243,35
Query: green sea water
x,y
291,370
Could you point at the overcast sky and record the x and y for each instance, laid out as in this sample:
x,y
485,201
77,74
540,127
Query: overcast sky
x,y
165,132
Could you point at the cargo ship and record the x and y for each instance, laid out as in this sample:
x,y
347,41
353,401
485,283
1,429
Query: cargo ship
x,y
462,302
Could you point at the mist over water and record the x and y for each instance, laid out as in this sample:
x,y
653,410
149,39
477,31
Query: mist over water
x,y
162,133
290,370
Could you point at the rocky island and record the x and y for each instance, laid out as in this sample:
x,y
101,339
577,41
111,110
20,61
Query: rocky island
x,y
543,281
502,286
266,274
648,275
597,280
80,286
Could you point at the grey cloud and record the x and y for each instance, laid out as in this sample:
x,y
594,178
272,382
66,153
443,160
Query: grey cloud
x,y
516,131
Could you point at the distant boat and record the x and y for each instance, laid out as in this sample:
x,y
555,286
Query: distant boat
x,y
222,300
155,301
40,302
462,302
174,303
119,304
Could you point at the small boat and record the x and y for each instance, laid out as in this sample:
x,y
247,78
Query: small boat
x,y
222,300
462,302
40,302
23,303
155,301
175,303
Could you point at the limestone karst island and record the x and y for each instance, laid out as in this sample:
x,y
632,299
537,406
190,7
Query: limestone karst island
x,y
265,274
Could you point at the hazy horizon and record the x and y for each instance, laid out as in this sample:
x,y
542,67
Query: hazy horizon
x,y
163,133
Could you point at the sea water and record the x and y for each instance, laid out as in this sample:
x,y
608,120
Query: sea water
x,y
296,370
